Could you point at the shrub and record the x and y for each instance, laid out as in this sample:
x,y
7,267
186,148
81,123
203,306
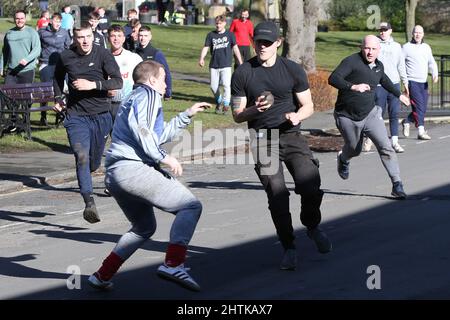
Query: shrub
x,y
323,95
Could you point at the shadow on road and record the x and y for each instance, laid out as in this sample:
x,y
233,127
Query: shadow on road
x,y
13,216
408,240
10,267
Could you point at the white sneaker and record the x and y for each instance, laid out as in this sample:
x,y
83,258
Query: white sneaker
x,y
405,128
423,136
99,284
398,148
367,144
179,275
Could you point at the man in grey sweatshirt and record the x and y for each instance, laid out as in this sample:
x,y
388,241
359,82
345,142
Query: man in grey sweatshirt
x,y
419,61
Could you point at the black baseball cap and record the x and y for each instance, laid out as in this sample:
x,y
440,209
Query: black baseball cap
x,y
385,26
266,30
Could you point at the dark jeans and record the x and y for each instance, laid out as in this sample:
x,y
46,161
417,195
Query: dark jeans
x,y
114,109
292,149
418,93
87,137
387,100
46,74
12,77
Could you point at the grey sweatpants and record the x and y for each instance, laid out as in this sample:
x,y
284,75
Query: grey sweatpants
x,y
138,188
221,76
373,127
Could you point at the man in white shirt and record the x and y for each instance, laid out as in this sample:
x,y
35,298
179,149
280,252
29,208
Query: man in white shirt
x,y
126,60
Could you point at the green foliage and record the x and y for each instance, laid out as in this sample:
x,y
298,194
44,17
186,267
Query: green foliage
x,y
352,15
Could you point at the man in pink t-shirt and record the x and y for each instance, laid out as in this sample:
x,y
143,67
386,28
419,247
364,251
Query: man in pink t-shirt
x,y
243,31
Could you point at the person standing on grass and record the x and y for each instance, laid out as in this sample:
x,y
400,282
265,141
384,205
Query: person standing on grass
x,y
222,44
54,40
21,49
91,71
137,182
243,31
148,52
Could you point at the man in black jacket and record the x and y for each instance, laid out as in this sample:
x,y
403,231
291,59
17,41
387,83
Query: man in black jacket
x,y
356,114
92,71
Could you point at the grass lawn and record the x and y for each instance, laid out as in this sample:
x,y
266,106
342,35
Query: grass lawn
x,y
181,46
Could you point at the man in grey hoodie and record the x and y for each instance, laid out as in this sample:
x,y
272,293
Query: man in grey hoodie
x,y
391,56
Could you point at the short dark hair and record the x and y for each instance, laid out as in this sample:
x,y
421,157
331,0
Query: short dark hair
x,y
84,25
115,28
57,15
134,22
221,18
145,28
131,10
94,15
145,69
19,11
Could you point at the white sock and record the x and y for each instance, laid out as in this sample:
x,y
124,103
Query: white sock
x,y
394,140
421,130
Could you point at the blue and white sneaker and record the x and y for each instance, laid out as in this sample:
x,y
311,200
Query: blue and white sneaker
x,y
95,282
179,275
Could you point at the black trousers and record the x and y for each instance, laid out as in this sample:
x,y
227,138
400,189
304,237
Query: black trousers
x,y
291,149
245,55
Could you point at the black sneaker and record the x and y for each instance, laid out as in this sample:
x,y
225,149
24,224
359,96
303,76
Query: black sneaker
x,y
397,190
90,213
225,109
43,122
218,109
323,244
289,261
343,168
107,193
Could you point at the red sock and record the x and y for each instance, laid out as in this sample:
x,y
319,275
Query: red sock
x,y
110,266
175,255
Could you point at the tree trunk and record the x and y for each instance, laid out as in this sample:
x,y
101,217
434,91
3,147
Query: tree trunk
x,y
410,9
299,22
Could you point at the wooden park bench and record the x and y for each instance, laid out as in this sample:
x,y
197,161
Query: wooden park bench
x,y
16,104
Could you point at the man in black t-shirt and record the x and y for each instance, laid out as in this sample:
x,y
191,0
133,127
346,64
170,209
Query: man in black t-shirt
x,y
272,94
222,44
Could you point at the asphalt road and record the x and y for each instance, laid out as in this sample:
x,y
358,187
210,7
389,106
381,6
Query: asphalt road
x,y
234,253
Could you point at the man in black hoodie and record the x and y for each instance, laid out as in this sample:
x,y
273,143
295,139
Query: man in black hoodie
x,y
92,71
356,114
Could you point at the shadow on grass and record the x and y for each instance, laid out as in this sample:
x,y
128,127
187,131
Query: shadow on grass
x,y
57,147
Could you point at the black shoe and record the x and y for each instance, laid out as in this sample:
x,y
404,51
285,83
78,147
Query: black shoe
x,y
343,168
106,192
218,109
289,261
323,244
43,122
90,213
397,190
